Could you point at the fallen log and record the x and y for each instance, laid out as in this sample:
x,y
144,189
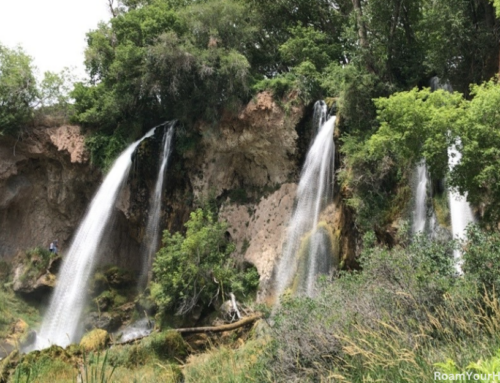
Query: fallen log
x,y
194,330
224,327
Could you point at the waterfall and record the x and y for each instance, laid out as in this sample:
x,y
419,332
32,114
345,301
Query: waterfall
x,y
460,210
61,323
314,192
420,212
320,115
150,242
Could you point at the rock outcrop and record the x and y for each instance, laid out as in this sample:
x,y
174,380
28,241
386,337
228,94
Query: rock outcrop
x,y
259,230
45,186
255,149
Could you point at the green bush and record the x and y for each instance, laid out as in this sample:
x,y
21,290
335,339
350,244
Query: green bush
x,y
481,257
104,149
196,269
359,327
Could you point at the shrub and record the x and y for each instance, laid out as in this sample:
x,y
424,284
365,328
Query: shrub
x,y
367,324
482,258
95,340
196,270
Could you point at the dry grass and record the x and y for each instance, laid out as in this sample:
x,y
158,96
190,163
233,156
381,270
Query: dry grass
x,y
225,364
462,330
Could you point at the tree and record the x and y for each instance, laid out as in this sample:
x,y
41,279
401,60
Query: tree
x,y
196,270
461,41
18,90
421,124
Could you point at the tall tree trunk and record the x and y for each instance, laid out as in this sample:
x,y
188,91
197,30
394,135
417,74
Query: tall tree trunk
x,y
361,24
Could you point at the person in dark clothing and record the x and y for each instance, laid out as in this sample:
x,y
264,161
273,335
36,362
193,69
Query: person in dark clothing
x,y
53,247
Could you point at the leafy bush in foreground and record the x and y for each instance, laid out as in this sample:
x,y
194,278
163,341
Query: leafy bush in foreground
x,y
196,270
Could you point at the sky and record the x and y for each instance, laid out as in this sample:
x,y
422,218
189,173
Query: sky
x,y
51,31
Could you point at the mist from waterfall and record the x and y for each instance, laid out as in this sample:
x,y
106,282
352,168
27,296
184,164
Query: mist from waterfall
x,y
61,323
150,242
314,192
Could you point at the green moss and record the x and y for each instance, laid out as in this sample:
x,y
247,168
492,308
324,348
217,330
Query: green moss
x,y
13,307
112,287
442,208
36,263
95,340
245,246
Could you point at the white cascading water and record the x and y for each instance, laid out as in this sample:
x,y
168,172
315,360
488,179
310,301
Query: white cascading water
x,y
314,192
420,212
139,329
61,323
150,243
460,210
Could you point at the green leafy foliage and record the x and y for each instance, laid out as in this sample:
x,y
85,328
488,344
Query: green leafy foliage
x,y
196,270
395,320
482,258
458,36
104,149
420,124
18,89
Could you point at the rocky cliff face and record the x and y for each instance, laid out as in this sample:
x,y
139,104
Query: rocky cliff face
x,y
254,150
250,166
45,186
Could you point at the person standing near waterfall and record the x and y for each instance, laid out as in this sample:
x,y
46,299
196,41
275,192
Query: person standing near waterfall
x,y
53,247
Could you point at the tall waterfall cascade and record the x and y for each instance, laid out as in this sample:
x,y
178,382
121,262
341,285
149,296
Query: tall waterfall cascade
x,y
307,250
150,243
460,210
61,323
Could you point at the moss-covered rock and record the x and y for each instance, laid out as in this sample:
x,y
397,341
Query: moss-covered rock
x,y
95,340
33,275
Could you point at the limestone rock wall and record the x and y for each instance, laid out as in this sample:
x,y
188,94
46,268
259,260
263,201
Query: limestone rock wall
x,y
45,186
259,231
255,149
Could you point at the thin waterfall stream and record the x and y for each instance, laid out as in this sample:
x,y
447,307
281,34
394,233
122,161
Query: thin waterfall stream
x,y
61,323
306,244
150,242
460,210
420,211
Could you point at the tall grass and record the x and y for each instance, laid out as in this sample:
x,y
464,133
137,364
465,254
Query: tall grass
x,y
95,369
463,330
229,365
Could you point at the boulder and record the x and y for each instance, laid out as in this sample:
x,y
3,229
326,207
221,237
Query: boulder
x,y
105,321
